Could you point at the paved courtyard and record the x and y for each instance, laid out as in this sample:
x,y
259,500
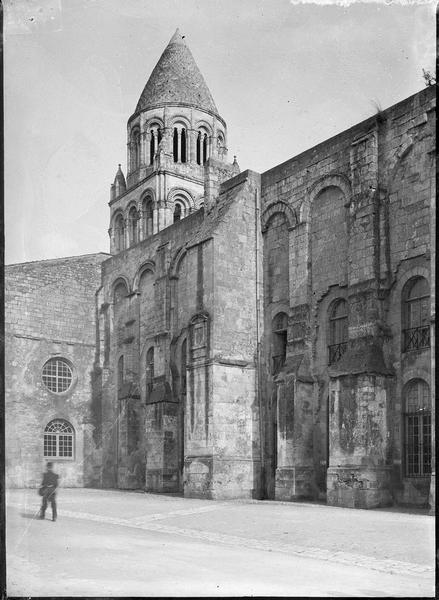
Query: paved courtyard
x,y
116,543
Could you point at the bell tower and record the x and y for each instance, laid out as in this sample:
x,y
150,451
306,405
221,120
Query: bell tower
x,y
174,131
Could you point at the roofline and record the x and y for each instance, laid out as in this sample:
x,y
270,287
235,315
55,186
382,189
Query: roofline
x,y
177,104
370,120
58,259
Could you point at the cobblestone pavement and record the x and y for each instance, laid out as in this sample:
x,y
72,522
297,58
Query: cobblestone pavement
x,y
393,549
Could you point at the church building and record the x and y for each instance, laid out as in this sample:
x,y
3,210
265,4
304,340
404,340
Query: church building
x,y
264,336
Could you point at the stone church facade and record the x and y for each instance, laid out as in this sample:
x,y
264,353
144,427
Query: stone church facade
x,y
250,335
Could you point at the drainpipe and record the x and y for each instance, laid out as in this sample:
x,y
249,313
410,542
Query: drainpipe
x,y
258,345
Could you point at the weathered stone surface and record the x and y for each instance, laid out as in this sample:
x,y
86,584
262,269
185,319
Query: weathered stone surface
x,y
214,357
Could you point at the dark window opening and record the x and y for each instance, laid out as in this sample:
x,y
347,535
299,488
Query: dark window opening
x,y
177,213
183,145
175,145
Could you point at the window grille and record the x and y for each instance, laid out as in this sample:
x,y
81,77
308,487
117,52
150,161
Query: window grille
x,y
58,440
417,429
57,375
416,315
338,331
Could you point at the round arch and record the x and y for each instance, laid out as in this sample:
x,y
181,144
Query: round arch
x,y
334,180
154,122
183,196
276,208
180,120
120,279
148,265
203,125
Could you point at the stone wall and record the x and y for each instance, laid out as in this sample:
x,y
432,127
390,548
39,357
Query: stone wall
x,y
358,207
51,312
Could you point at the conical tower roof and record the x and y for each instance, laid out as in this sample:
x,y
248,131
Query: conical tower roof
x,y
176,78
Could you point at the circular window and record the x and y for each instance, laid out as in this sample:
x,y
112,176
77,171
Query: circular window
x,y
57,375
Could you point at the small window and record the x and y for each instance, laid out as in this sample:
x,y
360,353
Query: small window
x,y
58,440
417,429
338,331
57,375
416,315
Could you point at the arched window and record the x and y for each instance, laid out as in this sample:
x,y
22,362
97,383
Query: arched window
x,y
179,144
147,211
183,145
202,147
177,212
175,144
183,365
155,138
417,428
57,375
58,440
149,370
119,233
338,331
416,314
279,341
135,150
132,221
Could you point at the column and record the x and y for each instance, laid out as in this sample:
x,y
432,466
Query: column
x,y
193,146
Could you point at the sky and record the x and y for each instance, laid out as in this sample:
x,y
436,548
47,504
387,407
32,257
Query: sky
x,y
284,74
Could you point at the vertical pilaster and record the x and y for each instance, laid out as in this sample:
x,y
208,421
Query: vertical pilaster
x,y
360,382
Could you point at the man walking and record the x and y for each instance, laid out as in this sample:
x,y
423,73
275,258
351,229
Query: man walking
x,y
48,491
